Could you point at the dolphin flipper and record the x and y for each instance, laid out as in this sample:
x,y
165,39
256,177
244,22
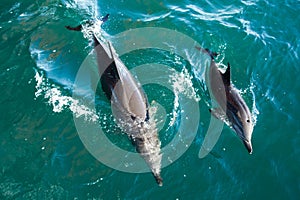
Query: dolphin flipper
x,y
76,28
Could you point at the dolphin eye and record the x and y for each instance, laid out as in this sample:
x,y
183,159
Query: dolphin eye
x,y
248,120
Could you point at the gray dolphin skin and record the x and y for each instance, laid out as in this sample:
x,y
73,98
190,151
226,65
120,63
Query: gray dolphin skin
x,y
233,108
129,103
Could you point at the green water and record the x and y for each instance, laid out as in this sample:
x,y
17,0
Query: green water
x,y
41,154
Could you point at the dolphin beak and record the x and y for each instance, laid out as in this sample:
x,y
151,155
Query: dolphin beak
x,y
158,179
242,135
248,146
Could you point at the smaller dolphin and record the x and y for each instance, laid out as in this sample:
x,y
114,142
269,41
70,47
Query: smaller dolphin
x,y
233,108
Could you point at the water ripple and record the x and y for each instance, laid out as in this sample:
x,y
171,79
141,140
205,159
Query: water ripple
x,y
154,17
218,15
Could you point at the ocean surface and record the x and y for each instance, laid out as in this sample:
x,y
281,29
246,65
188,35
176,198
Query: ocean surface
x,y
42,155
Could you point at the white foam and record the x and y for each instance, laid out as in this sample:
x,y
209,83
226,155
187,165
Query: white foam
x,y
255,111
60,102
182,85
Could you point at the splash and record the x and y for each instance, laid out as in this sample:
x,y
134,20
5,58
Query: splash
x,y
90,28
88,6
60,102
182,84
255,111
157,113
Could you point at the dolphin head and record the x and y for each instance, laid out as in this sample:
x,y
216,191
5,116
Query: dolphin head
x,y
148,145
242,124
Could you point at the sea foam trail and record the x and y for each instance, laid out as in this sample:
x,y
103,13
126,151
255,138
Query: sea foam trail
x,y
59,102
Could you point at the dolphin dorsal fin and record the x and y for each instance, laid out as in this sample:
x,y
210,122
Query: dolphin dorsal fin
x,y
226,75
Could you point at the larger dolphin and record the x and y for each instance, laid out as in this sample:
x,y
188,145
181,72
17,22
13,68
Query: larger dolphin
x,y
129,103
233,108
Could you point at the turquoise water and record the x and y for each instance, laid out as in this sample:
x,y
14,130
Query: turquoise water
x,y
42,156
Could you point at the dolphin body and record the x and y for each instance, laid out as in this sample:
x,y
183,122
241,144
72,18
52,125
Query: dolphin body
x,y
129,103
233,109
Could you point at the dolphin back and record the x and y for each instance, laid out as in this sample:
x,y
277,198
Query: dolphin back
x,y
120,86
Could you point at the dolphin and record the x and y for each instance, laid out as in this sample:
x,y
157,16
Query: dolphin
x,y
232,108
129,103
